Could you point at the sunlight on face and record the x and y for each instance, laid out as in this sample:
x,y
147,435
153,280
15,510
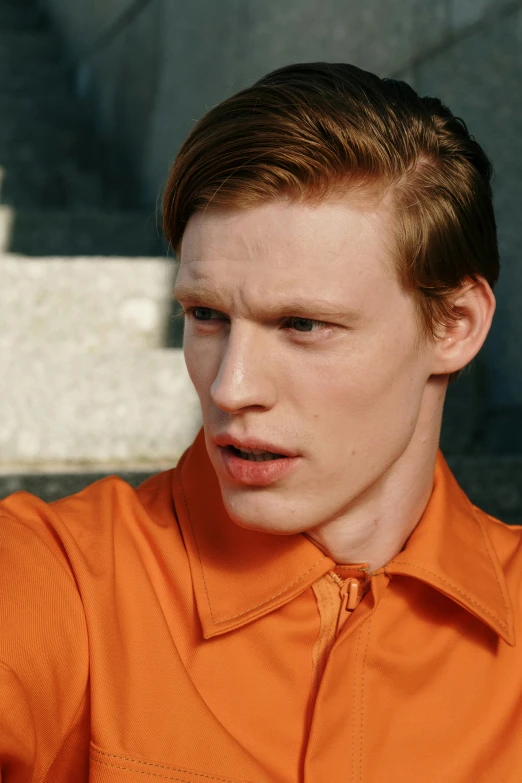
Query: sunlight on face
x,y
297,333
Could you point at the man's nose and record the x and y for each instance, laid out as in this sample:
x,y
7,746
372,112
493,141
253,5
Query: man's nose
x,y
245,376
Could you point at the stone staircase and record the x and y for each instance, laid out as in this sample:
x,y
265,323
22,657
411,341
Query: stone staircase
x,y
89,386
88,382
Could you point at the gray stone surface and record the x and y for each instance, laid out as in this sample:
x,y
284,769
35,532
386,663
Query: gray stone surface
x,y
88,304
61,185
20,15
46,148
86,380
64,406
125,92
83,21
94,232
503,431
244,41
53,486
157,97
172,63
464,410
22,46
479,78
467,12
7,218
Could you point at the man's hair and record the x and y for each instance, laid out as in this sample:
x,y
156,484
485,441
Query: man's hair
x,y
310,131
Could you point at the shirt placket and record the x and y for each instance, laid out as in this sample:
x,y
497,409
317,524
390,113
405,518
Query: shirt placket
x,y
337,598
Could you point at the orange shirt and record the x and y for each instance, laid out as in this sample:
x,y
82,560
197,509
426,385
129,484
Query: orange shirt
x,y
145,636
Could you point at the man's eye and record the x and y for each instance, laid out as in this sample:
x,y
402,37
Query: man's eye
x,y
303,324
202,313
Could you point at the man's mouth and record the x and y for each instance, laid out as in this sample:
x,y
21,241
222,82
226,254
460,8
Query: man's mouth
x,y
255,455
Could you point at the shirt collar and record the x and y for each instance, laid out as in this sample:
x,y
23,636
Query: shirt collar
x,y
239,574
450,549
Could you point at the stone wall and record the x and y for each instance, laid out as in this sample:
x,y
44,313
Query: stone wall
x,y
166,63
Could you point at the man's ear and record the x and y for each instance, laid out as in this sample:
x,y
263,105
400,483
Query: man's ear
x,y
460,342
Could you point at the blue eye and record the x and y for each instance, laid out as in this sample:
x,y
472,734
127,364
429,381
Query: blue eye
x,y
303,324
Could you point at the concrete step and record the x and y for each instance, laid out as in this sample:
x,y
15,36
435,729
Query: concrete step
x,y
80,233
85,304
52,486
65,406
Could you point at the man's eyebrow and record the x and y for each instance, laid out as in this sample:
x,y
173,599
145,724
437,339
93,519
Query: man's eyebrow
x,y
209,297
197,293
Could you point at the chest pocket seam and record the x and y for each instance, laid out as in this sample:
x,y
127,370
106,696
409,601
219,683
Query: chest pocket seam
x,y
96,752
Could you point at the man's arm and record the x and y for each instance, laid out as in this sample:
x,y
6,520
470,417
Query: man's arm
x,y
17,740
44,715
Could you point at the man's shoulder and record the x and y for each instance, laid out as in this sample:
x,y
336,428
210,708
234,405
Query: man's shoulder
x,y
497,528
89,520
506,542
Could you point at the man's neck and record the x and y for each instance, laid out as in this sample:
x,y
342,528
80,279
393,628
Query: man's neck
x,y
377,526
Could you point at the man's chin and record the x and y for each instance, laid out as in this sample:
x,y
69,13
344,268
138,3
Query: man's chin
x,y
258,519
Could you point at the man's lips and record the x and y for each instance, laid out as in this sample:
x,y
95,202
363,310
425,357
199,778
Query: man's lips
x,y
255,472
251,443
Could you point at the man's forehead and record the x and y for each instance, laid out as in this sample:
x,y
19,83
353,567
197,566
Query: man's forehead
x,y
279,224
297,260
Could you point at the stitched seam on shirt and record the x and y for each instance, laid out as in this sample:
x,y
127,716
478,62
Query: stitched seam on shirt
x,y
167,767
487,545
333,613
502,623
362,701
317,588
266,601
251,608
354,701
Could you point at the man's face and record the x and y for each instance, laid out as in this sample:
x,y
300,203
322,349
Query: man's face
x,y
299,336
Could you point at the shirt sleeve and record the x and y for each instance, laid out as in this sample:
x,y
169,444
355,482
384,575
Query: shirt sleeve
x,y
44,716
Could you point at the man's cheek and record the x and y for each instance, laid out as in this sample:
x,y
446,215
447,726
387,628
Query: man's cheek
x,y
199,369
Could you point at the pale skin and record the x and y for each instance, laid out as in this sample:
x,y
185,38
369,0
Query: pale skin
x,y
337,379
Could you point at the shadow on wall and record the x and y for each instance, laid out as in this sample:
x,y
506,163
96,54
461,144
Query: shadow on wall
x,y
80,232
58,194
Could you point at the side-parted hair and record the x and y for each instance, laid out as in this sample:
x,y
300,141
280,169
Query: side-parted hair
x,y
311,131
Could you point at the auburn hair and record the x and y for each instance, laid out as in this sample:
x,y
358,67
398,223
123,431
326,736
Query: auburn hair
x,y
310,131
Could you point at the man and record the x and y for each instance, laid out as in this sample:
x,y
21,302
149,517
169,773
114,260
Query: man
x,y
309,595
